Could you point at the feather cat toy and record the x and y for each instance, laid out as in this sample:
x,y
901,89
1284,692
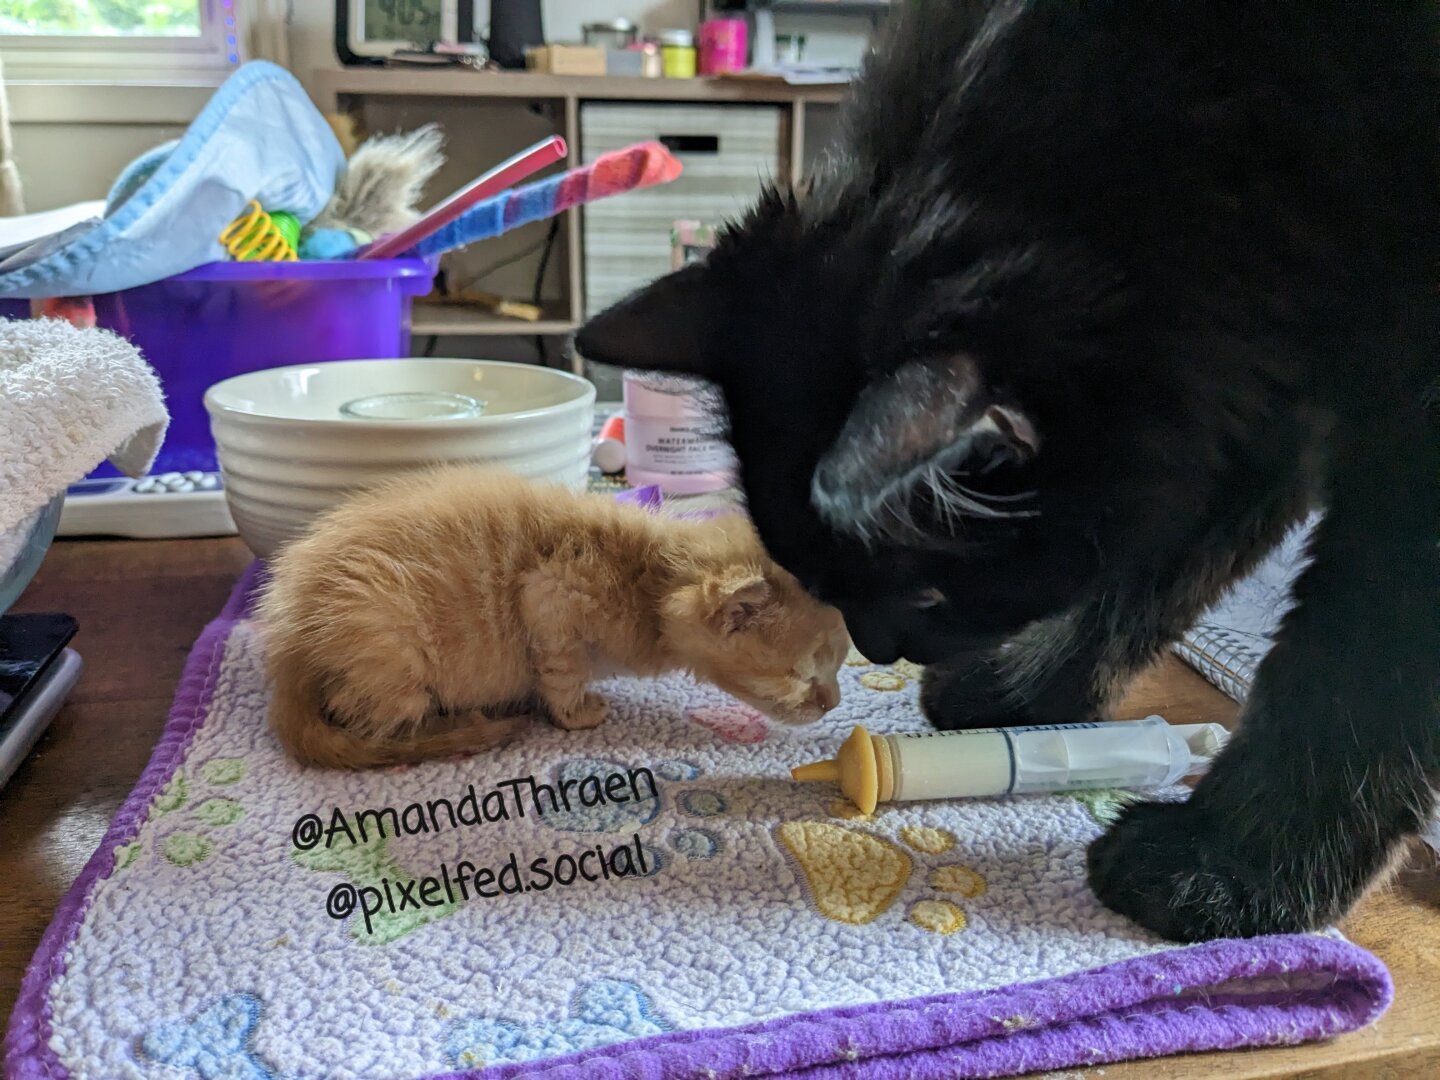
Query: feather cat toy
x,y
615,173
378,193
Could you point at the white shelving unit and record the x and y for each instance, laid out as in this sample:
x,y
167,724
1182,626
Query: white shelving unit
x,y
355,90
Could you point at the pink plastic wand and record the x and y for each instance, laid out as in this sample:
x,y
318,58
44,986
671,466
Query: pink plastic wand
x,y
505,175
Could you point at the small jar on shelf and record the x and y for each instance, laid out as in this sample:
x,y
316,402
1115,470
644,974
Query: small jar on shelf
x,y
677,49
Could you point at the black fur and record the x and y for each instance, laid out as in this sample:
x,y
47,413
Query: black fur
x,y
1094,301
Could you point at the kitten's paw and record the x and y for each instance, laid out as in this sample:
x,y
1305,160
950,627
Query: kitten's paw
x,y
590,713
1174,870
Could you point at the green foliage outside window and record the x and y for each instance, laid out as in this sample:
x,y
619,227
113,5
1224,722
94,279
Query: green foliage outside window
x,y
129,18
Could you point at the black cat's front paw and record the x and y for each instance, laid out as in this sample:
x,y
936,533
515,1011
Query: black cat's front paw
x,y
1175,870
968,692
972,690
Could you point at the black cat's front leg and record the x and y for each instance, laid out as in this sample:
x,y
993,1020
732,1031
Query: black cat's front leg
x,y
1339,743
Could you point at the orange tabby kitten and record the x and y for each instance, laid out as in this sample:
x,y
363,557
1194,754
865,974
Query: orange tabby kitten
x,y
437,612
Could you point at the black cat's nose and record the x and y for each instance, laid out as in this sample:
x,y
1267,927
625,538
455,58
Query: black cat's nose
x,y
877,647
921,653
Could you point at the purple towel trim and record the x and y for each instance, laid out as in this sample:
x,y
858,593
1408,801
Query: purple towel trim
x,y
1183,1001
1301,987
652,498
28,1055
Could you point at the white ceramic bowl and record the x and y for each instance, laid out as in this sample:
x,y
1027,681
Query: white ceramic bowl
x,y
288,452
23,548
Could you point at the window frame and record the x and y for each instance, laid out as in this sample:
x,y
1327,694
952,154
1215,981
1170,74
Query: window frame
x,y
211,55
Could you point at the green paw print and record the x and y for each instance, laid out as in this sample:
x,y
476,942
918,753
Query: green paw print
x,y
190,847
223,770
186,849
368,865
126,854
218,812
1105,804
172,796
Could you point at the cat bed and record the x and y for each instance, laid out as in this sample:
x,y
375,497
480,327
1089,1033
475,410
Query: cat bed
x,y
696,913
259,137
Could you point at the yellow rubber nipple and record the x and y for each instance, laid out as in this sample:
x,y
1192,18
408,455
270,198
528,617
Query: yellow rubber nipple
x,y
854,767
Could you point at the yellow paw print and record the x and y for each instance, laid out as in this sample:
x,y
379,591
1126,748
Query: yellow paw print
x,y
882,680
895,677
853,876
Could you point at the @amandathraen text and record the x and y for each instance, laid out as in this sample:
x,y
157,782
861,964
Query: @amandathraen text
x,y
465,881
504,801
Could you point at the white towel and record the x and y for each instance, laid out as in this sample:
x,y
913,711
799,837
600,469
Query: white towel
x,y
69,399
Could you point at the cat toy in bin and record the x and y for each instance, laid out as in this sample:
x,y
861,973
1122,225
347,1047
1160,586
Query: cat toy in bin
x,y
257,236
478,212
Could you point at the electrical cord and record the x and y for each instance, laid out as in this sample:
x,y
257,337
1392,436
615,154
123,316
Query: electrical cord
x,y
523,253
550,236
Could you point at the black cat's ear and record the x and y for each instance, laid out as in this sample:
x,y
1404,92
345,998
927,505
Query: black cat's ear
x,y
923,447
658,328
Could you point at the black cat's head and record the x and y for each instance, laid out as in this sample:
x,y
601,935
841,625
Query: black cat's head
x,y
895,401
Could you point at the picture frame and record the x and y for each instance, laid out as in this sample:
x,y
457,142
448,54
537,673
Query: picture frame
x,y
371,31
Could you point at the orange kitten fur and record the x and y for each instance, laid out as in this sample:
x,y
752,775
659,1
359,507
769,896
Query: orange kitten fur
x,y
436,613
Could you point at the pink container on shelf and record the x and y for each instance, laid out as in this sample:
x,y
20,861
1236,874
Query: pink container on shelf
x,y
674,435
723,46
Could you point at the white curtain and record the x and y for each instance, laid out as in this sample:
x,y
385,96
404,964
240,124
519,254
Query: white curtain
x,y
11,200
268,30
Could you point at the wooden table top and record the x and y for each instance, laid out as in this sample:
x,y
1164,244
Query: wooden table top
x,y
142,604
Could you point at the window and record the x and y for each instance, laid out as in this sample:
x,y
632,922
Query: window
x,y
105,40
130,18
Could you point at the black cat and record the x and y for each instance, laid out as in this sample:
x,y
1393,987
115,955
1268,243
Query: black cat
x,y
1094,301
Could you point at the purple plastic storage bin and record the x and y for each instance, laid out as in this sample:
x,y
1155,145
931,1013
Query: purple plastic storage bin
x,y
228,318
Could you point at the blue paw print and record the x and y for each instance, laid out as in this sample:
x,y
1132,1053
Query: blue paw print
x,y
695,843
677,770
602,1012
581,780
215,1045
574,778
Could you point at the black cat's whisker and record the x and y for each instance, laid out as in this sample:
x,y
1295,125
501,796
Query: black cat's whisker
x,y
992,496
953,500
950,503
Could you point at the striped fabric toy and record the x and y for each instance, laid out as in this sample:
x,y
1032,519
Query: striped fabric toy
x,y
610,174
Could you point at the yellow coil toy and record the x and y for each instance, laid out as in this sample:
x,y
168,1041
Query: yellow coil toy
x,y
256,236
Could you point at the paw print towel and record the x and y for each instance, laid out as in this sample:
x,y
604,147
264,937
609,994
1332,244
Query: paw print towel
x,y
653,897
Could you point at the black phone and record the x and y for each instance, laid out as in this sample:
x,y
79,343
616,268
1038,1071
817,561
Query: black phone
x,y
37,671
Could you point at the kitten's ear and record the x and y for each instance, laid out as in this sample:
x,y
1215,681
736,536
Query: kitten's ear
x,y
658,328
932,429
741,602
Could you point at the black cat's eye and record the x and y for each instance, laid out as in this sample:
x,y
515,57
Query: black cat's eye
x,y
926,599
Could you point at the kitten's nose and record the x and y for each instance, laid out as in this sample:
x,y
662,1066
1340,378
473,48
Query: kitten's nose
x,y
826,697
